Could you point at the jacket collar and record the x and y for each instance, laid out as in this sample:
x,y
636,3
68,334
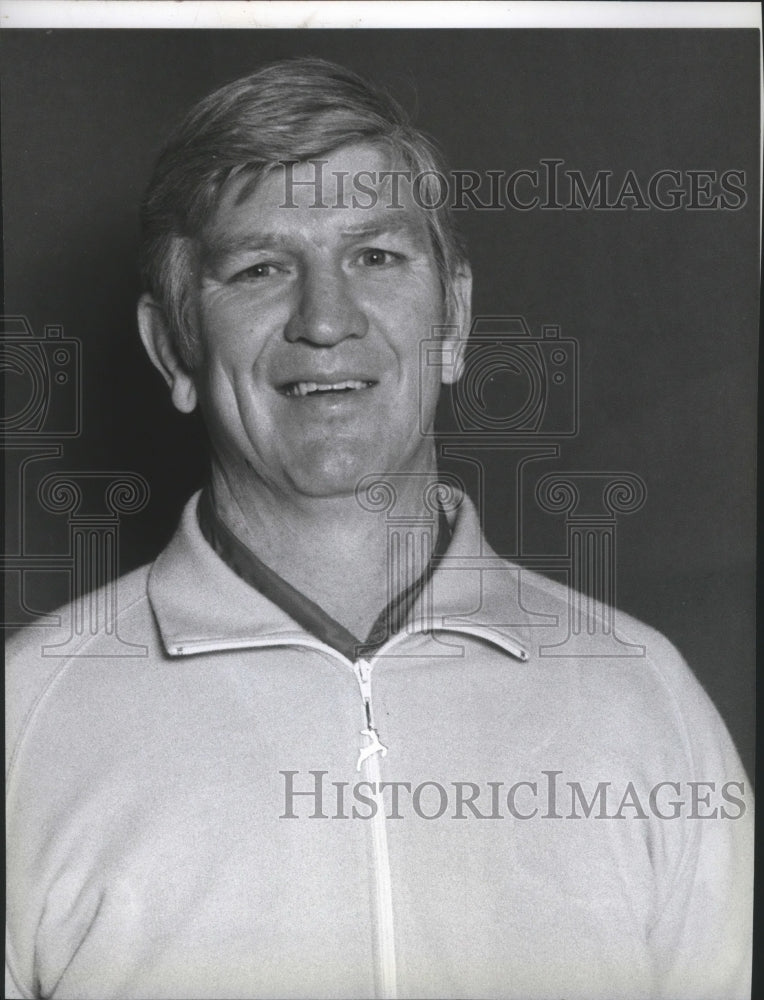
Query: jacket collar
x,y
201,605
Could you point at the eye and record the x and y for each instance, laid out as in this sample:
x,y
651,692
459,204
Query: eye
x,y
374,257
255,271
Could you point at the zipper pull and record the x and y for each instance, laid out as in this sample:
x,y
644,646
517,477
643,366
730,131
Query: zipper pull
x,y
375,746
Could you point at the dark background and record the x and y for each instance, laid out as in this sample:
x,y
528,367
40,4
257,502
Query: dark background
x,y
664,305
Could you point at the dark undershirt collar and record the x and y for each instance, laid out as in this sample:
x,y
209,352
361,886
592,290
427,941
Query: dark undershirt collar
x,y
240,558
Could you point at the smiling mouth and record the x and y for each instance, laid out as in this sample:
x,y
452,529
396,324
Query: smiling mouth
x,y
320,388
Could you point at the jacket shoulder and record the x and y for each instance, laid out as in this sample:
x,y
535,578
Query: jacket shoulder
x,y
651,681
101,624
543,595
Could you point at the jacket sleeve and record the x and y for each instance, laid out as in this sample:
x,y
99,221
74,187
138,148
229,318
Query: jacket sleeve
x,y
12,991
27,675
702,933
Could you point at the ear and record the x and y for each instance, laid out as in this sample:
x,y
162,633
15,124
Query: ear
x,y
457,330
160,347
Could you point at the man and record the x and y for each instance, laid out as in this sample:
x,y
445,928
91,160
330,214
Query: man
x,y
252,804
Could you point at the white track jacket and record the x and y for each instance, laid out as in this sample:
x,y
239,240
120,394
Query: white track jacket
x,y
208,802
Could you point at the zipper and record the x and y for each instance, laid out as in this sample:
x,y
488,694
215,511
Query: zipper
x,y
385,971
385,975
362,669
368,762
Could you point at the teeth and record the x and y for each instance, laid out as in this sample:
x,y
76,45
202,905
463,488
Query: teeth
x,y
306,388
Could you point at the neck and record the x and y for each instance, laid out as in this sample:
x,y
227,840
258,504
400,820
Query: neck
x,y
350,555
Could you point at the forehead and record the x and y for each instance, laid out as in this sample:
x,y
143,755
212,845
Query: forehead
x,y
359,188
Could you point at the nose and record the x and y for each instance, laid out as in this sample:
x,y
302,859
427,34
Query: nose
x,y
326,310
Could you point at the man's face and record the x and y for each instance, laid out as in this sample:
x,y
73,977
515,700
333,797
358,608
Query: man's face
x,y
310,320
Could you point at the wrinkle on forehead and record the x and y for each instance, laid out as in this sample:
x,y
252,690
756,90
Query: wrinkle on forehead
x,y
233,227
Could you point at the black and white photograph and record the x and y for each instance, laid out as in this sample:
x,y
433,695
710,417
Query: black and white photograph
x,y
380,499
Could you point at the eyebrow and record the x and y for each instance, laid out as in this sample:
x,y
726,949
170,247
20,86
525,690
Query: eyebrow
x,y
382,227
225,245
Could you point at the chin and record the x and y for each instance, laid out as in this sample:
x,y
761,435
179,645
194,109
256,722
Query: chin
x,y
333,475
